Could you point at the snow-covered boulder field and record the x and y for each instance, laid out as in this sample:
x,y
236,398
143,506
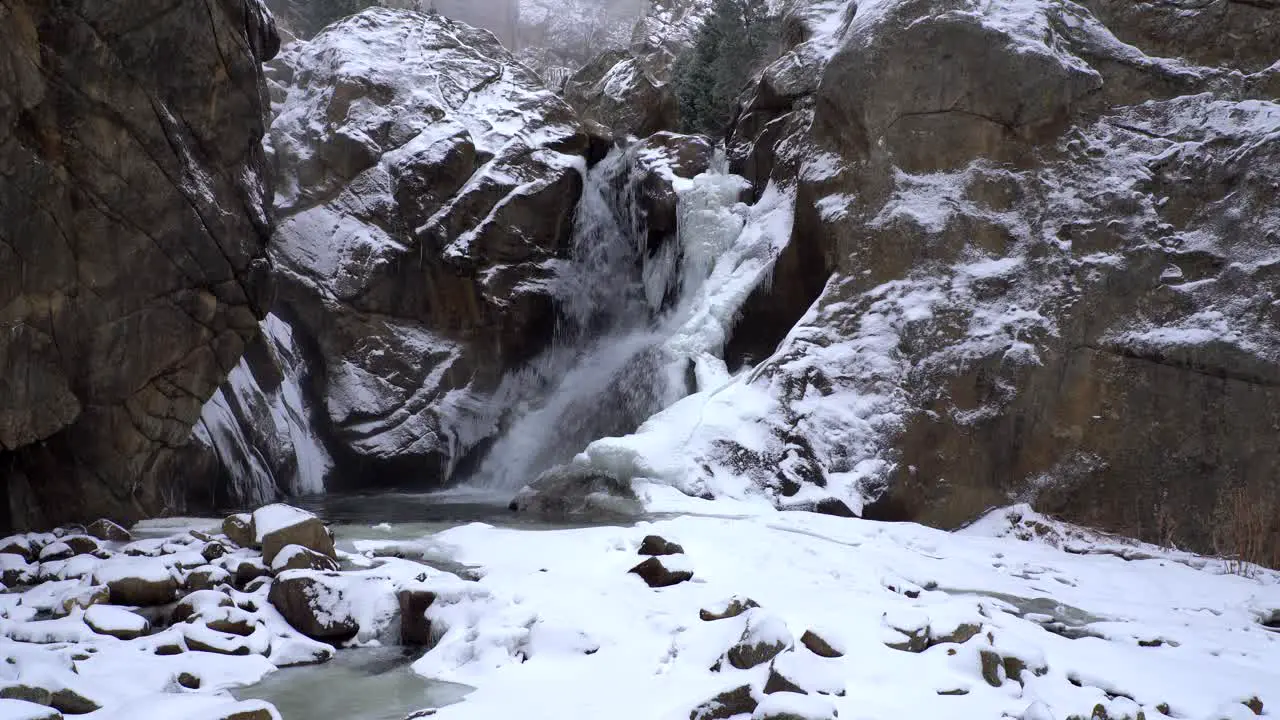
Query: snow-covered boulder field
x,y
426,183
766,615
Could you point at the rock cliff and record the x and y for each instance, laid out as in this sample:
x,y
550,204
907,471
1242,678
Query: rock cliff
x,y
1034,256
134,198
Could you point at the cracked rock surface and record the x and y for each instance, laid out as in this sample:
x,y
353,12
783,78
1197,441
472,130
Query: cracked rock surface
x,y
134,205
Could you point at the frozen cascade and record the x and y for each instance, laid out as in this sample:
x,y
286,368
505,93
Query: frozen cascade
x,y
640,328
259,427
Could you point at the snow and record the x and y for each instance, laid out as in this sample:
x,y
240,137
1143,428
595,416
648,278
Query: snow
x,y
517,636
23,710
276,517
108,618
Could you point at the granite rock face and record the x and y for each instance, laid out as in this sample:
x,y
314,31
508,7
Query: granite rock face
x,y
134,220
427,190
1044,269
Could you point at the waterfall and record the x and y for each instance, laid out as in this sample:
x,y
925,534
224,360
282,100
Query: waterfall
x,y
623,348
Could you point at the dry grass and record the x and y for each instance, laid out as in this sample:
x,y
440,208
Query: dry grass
x,y
1246,531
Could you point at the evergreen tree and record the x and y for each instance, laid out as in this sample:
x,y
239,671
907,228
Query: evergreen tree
x,y
733,44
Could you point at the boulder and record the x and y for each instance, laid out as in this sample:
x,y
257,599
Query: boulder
x,y
423,197
313,604
142,583
763,638
134,269
109,531
573,491
116,622
278,526
730,703
199,602
296,557
820,645
621,92
239,530
415,627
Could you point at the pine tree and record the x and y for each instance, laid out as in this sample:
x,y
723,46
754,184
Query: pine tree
x,y
731,46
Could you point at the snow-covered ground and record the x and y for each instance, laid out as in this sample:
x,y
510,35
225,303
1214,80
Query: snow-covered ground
x,y
1016,616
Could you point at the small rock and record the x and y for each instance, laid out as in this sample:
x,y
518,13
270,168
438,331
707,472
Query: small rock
x,y
819,645
297,557
57,550
18,545
657,575
239,530
764,637
731,608
834,506
71,702
778,682
213,551
248,570
305,598
415,628
991,666
1254,704
655,545
29,693
81,544
188,681
116,622
738,701
197,603
277,526
205,577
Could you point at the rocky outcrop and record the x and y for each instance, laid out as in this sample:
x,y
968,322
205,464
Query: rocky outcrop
x,y
628,90
427,188
133,228
1043,268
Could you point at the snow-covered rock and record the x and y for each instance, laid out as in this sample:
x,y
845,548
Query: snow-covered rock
x,y
1042,269
426,186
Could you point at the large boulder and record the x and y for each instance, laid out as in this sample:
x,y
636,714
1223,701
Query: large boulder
x,y
134,197
428,184
1028,259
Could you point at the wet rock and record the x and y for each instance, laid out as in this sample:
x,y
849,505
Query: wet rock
x,y
108,531
731,608
311,603
738,701
278,526
659,573
415,628
655,545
